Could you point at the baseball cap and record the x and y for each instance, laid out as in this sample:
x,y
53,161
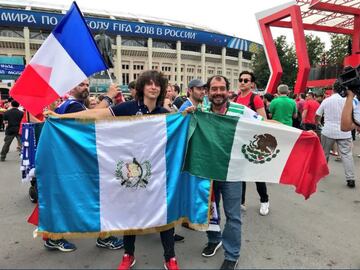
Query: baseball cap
x,y
196,83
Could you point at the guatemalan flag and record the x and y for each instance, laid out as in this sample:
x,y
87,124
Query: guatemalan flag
x,y
117,176
67,57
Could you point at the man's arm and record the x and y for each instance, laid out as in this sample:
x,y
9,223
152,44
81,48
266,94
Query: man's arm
x,y
318,119
319,113
261,112
111,93
259,104
303,115
347,123
295,114
95,114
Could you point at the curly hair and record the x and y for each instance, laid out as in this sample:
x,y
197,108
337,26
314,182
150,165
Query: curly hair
x,y
146,78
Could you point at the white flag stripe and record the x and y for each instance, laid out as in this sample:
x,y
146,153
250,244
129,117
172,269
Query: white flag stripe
x,y
147,207
53,55
245,132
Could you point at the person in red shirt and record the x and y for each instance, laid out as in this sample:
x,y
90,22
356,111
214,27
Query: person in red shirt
x,y
247,98
309,112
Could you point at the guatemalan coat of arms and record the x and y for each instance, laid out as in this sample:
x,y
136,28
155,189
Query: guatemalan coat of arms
x,y
133,174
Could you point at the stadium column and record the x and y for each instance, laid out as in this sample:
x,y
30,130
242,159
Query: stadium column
x,y
118,66
203,71
27,44
131,70
223,61
240,61
178,63
150,52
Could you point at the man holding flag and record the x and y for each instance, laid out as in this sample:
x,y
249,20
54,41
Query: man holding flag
x,y
150,93
230,192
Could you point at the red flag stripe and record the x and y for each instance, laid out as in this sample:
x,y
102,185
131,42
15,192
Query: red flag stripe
x,y
32,91
306,165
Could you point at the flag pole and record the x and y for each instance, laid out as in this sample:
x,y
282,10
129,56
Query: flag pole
x,y
111,81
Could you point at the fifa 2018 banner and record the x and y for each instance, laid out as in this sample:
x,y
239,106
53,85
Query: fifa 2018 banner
x,y
47,20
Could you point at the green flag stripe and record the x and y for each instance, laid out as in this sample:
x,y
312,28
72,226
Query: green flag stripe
x,y
236,110
213,136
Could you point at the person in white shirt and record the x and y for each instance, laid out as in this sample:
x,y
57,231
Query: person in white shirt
x,y
331,109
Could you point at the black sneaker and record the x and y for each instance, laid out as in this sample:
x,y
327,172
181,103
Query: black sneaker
x,y
110,243
228,265
179,238
211,249
350,183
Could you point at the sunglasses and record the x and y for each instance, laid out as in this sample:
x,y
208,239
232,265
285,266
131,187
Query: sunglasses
x,y
244,80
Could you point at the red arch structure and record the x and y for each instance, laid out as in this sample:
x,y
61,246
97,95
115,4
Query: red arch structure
x,y
331,16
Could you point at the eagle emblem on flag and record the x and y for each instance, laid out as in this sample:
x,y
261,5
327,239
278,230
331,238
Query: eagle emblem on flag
x,y
260,150
133,174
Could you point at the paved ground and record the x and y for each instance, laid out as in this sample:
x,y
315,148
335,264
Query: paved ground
x,y
322,232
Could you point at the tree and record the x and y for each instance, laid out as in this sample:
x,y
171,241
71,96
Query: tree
x,y
260,68
315,49
338,49
287,59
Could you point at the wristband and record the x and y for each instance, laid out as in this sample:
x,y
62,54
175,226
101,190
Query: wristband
x,y
108,100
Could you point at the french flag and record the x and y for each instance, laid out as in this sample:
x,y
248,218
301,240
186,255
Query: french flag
x,y
67,57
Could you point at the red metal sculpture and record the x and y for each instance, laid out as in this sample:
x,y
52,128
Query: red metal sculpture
x,y
331,16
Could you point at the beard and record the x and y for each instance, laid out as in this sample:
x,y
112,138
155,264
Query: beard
x,y
84,95
218,99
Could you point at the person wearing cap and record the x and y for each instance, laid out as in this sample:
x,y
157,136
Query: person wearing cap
x,y
283,108
196,92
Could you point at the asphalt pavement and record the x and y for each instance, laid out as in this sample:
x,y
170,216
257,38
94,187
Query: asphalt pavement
x,y
321,232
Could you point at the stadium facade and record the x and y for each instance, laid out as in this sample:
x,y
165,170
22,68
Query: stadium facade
x,y
181,51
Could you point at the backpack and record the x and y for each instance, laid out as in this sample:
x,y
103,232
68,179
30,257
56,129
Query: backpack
x,y
251,103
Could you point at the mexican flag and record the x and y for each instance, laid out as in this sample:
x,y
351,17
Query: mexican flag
x,y
231,149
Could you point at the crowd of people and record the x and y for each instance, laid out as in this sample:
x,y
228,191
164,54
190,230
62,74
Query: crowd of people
x,y
152,94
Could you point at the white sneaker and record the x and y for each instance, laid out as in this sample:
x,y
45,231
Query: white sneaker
x,y
264,208
243,207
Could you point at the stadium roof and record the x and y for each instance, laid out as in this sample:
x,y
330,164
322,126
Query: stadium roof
x,y
326,12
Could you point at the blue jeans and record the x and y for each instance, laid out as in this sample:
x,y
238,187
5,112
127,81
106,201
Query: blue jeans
x,y
231,236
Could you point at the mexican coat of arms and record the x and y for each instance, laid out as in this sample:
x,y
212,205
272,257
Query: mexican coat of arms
x,y
260,150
